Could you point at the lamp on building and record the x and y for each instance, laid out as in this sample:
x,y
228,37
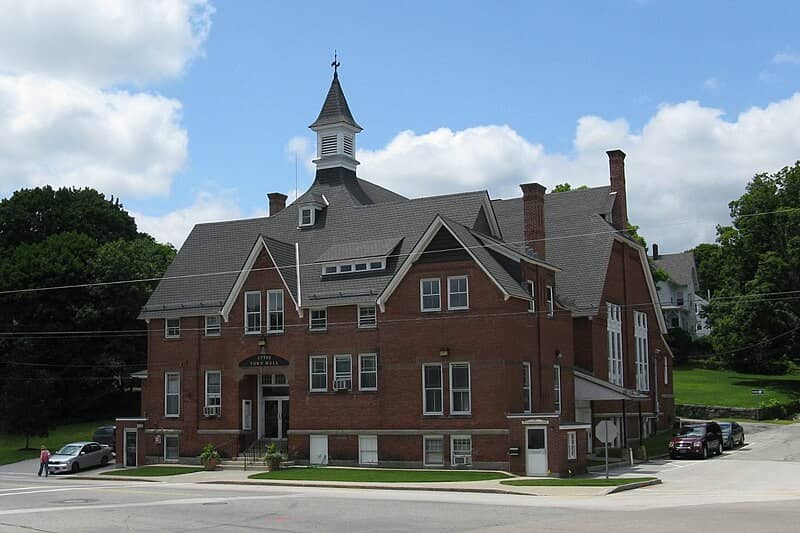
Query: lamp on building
x,y
263,344
444,351
559,355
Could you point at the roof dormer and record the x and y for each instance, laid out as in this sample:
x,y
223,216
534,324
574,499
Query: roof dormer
x,y
336,129
308,210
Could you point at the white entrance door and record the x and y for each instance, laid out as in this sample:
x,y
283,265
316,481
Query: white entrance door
x,y
318,449
536,451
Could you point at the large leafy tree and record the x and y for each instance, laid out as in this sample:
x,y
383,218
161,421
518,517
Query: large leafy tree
x,y
755,312
68,348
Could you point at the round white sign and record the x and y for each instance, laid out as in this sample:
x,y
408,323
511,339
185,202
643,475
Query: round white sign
x,y
606,431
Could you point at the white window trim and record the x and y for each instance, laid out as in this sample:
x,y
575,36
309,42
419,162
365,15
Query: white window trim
x,y
217,333
642,351
178,394
453,438
425,410
616,370
311,373
349,375
526,369
361,356
310,319
572,445
532,291
449,293
367,326
549,298
282,312
247,421
469,388
216,395
246,314
666,371
422,296
557,388
338,267
167,328
426,438
360,440
171,436
300,216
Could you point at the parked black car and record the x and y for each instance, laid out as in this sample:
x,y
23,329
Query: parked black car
x,y
732,434
106,435
700,440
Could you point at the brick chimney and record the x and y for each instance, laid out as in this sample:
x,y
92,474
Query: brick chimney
x,y
533,215
655,252
277,202
616,165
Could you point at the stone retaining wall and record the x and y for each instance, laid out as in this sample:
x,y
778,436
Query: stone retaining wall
x,y
708,412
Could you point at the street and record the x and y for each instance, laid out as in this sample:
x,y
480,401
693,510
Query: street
x,y
754,488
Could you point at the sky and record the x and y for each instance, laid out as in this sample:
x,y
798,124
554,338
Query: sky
x,y
193,111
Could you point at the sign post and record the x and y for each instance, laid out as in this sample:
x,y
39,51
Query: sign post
x,y
606,431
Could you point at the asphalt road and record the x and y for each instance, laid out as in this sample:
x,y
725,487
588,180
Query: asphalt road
x,y
751,489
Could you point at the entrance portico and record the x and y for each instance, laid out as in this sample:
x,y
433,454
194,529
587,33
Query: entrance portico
x,y
272,393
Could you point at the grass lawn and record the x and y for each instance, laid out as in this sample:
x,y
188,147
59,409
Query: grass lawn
x,y
378,475
148,471
10,444
699,386
575,482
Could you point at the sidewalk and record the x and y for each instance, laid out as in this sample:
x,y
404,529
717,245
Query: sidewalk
x,y
241,477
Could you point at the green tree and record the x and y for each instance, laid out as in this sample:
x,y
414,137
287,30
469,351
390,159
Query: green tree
x,y
710,267
755,313
565,187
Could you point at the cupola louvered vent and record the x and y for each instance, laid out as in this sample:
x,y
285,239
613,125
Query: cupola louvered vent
x,y
328,145
348,145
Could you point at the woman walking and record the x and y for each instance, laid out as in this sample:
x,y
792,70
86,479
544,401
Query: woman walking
x,y
44,459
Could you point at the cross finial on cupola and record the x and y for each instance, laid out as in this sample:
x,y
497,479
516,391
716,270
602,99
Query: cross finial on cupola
x,y
335,127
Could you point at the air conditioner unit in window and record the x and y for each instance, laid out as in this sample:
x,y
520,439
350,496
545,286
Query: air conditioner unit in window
x,y
211,410
342,384
462,460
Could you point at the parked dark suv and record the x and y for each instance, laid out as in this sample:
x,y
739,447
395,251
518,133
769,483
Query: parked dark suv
x,y
106,435
699,440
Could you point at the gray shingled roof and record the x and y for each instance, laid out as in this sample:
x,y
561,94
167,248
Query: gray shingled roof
x,y
335,108
679,267
359,249
579,241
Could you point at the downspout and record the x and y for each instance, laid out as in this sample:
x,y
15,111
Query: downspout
x,y
297,271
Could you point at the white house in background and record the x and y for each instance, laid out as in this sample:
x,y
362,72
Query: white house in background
x,y
680,303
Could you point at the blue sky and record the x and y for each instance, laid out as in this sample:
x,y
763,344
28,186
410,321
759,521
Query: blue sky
x,y
489,95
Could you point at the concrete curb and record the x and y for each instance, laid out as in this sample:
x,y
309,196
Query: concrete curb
x,y
115,478
631,486
373,487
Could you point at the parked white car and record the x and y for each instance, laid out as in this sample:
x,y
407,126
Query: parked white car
x,y
78,455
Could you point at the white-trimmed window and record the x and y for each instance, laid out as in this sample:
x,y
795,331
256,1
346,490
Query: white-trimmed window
x,y
548,300
275,311
252,312
461,449
557,388
368,371
432,389
367,316
318,319
367,449
526,387
213,326
247,415
171,448
343,372
572,445
172,394
457,293
172,328
614,327
433,450
531,286
367,265
642,351
666,371
305,217
460,394
213,388
318,373
430,292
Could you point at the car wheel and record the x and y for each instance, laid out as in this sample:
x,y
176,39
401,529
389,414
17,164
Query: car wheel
x,y
719,449
673,456
705,451
75,468
741,442
104,460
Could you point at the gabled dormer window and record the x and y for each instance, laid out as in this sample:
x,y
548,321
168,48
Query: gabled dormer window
x,y
306,217
363,265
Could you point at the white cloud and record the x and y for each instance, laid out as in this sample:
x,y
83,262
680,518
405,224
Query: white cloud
x,y
683,167
302,149
102,42
175,226
787,57
64,133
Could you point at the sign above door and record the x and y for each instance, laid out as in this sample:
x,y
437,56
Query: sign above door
x,y
262,360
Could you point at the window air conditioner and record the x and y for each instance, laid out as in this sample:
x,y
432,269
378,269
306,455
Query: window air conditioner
x,y
342,384
462,460
211,410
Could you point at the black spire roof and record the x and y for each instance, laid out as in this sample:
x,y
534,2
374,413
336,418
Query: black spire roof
x,y
335,108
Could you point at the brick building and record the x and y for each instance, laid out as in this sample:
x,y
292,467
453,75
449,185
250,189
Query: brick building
x,y
356,326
